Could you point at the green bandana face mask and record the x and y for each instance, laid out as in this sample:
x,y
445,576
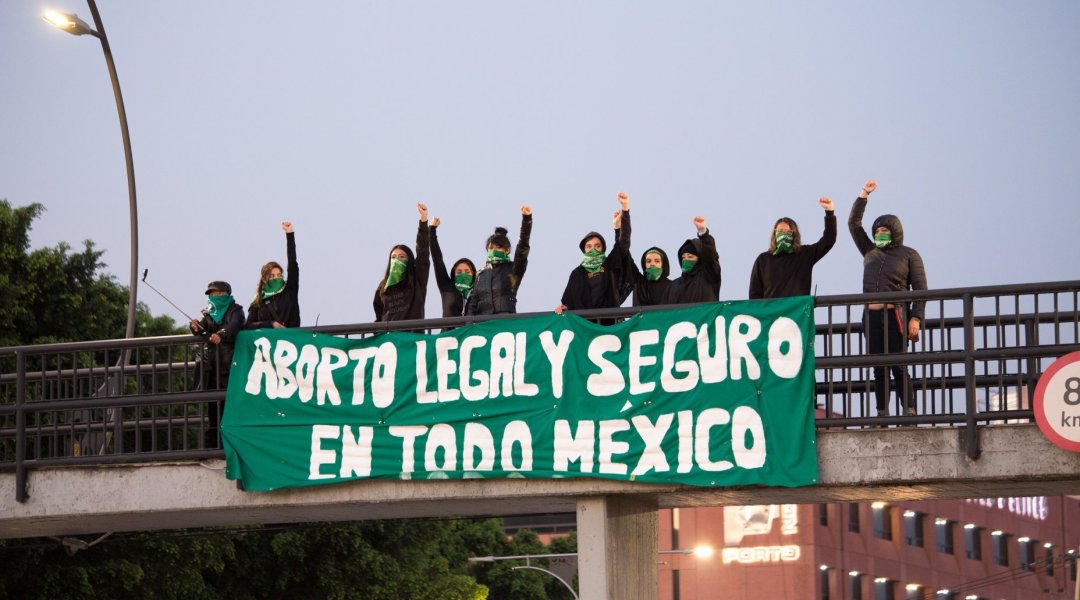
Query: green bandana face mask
x,y
592,260
653,273
272,287
882,239
463,283
687,265
397,272
496,257
784,241
217,307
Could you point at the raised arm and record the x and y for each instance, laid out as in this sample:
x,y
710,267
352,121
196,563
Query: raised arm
x,y
854,223
292,274
521,254
423,250
711,261
828,238
442,276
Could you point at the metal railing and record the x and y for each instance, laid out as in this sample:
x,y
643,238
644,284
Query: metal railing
x,y
979,356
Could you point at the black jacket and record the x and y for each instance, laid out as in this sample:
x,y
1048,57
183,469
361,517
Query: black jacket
x,y
405,300
219,356
453,302
702,283
608,287
496,286
786,275
283,307
895,267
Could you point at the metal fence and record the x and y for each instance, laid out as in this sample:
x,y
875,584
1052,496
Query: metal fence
x,y
979,356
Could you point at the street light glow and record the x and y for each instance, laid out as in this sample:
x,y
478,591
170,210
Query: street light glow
x,y
67,22
703,551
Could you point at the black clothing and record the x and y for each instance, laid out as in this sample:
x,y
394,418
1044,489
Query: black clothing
x,y
216,359
284,306
702,283
646,293
886,333
791,274
495,288
893,268
608,287
405,299
453,302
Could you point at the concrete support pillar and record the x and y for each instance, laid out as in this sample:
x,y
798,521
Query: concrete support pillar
x,y
617,544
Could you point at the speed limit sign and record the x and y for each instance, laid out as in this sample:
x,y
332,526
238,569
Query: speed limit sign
x,y
1057,402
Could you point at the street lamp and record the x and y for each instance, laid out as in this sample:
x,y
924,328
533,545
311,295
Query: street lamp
x,y
75,26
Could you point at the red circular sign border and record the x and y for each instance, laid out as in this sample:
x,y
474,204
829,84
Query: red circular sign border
x,y
1037,403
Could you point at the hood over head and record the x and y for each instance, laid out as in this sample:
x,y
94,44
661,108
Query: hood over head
x,y
894,225
593,234
694,246
665,267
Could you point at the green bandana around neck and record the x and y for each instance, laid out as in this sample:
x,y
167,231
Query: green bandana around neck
x,y
496,257
687,265
882,239
397,272
463,282
784,243
217,307
272,287
653,273
592,260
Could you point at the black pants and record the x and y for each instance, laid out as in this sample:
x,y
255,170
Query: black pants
x,y
886,333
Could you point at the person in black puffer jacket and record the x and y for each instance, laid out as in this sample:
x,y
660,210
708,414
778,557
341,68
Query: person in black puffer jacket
x,y
496,286
787,268
222,319
601,281
403,290
888,266
456,284
277,302
700,280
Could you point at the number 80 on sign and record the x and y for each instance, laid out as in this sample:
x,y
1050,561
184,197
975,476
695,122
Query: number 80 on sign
x,y
1057,402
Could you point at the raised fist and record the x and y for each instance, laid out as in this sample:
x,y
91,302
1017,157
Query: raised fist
x,y
287,226
624,200
616,219
422,209
825,203
868,188
699,222
435,222
525,210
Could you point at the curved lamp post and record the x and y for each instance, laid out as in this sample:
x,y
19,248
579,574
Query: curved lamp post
x,y
75,26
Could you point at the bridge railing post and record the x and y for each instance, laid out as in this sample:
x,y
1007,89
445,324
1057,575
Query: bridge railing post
x,y
971,431
20,427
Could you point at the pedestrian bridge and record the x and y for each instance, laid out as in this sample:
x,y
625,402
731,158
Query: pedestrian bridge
x,y
109,436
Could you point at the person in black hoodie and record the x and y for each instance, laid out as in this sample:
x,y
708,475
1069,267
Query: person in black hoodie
x,y
601,281
651,283
496,285
455,284
700,279
787,268
403,290
276,302
222,319
888,266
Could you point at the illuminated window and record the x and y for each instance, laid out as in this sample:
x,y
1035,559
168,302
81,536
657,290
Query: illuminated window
x,y
943,531
973,541
823,582
1001,548
1048,558
883,589
913,528
853,518
856,585
915,592
882,521
1026,554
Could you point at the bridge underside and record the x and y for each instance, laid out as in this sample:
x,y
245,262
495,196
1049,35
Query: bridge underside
x,y
855,465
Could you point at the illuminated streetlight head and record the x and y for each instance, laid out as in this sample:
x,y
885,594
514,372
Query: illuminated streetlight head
x,y
703,551
67,22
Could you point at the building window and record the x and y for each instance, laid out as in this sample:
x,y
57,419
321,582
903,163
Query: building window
x,y
913,528
1048,557
1072,564
1026,554
882,520
1001,548
856,585
973,541
943,529
915,592
823,582
853,518
883,589
823,514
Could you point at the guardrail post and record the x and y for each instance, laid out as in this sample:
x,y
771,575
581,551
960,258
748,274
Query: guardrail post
x,y
20,428
971,431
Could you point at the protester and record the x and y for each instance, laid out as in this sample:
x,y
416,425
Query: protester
x,y
222,319
888,266
276,302
601,281
495,288
700,279
786,269
456,284
403,290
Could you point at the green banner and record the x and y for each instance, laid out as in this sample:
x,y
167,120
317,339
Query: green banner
x,y
709,395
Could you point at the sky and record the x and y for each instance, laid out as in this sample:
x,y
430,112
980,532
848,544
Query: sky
x,y
341,116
